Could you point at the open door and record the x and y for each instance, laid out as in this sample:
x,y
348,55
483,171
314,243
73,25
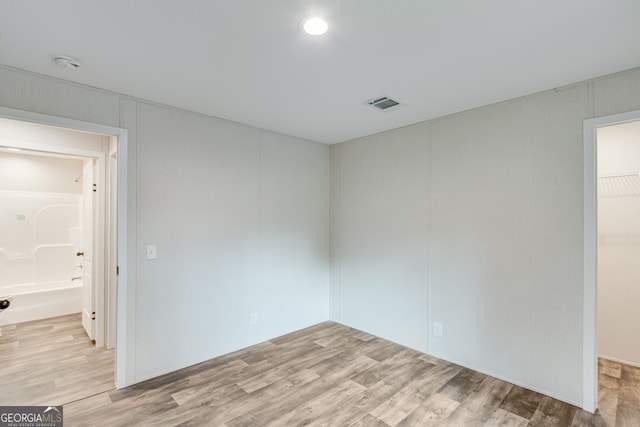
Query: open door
x,y
88,304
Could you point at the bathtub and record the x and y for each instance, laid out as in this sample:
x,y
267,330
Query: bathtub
x,y
34,301
40,283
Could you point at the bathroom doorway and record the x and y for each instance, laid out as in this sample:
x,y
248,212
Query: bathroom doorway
x,y
67,226
121,326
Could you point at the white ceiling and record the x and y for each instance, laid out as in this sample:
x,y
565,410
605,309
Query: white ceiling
x,y
246,60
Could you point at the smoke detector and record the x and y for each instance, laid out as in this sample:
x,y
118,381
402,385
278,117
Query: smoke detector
x,y
382,103
66,62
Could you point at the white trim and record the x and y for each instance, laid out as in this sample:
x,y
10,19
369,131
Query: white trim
x,y
49,149
112,245
590,296
61,122
123,322
99,249
122,351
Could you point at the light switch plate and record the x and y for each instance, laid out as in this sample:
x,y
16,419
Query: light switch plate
x,y
152,252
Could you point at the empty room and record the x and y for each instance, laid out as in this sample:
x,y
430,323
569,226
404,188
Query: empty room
x,y
337,213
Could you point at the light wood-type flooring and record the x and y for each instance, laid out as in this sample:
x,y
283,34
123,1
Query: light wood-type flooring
x,y
326,375
51,362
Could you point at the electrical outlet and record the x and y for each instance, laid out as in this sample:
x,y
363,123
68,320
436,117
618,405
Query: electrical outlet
x,y
437,330
253,318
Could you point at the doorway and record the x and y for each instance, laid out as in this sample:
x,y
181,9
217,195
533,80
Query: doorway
x,y
618,163
63,236
110,157
43,199
611,185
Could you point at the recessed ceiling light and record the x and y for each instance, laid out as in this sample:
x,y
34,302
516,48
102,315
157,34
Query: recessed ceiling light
x,y
315,26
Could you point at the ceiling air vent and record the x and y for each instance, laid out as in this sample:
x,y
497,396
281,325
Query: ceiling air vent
x,y
382,103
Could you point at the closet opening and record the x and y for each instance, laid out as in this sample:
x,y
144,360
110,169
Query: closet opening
x,y
612,271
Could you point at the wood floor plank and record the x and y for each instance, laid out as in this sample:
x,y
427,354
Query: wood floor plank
x,y
222,404
608,405
382,369
52,362
398,379
332,400
503,418
464,383
344,366
522,402
628,412
490,394
431,359
135,410
88,406
273,374
201,396
419,391
288,401
585,419
432,412
369,421
379,349
210,405
478,407
325,375
363,336
552,412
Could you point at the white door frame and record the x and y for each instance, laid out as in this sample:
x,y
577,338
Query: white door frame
x,y
112,245
92,228
122,143
590,296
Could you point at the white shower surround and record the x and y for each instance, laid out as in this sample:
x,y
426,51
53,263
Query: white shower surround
x,y
40,238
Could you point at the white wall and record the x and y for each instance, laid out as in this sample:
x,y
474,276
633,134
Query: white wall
x,y
473,220
619,243
24,172
500,191
241,222
39,205
240,219
381,223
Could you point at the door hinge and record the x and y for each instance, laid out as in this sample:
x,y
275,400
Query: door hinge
x,y
94,188
117,270
93,315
